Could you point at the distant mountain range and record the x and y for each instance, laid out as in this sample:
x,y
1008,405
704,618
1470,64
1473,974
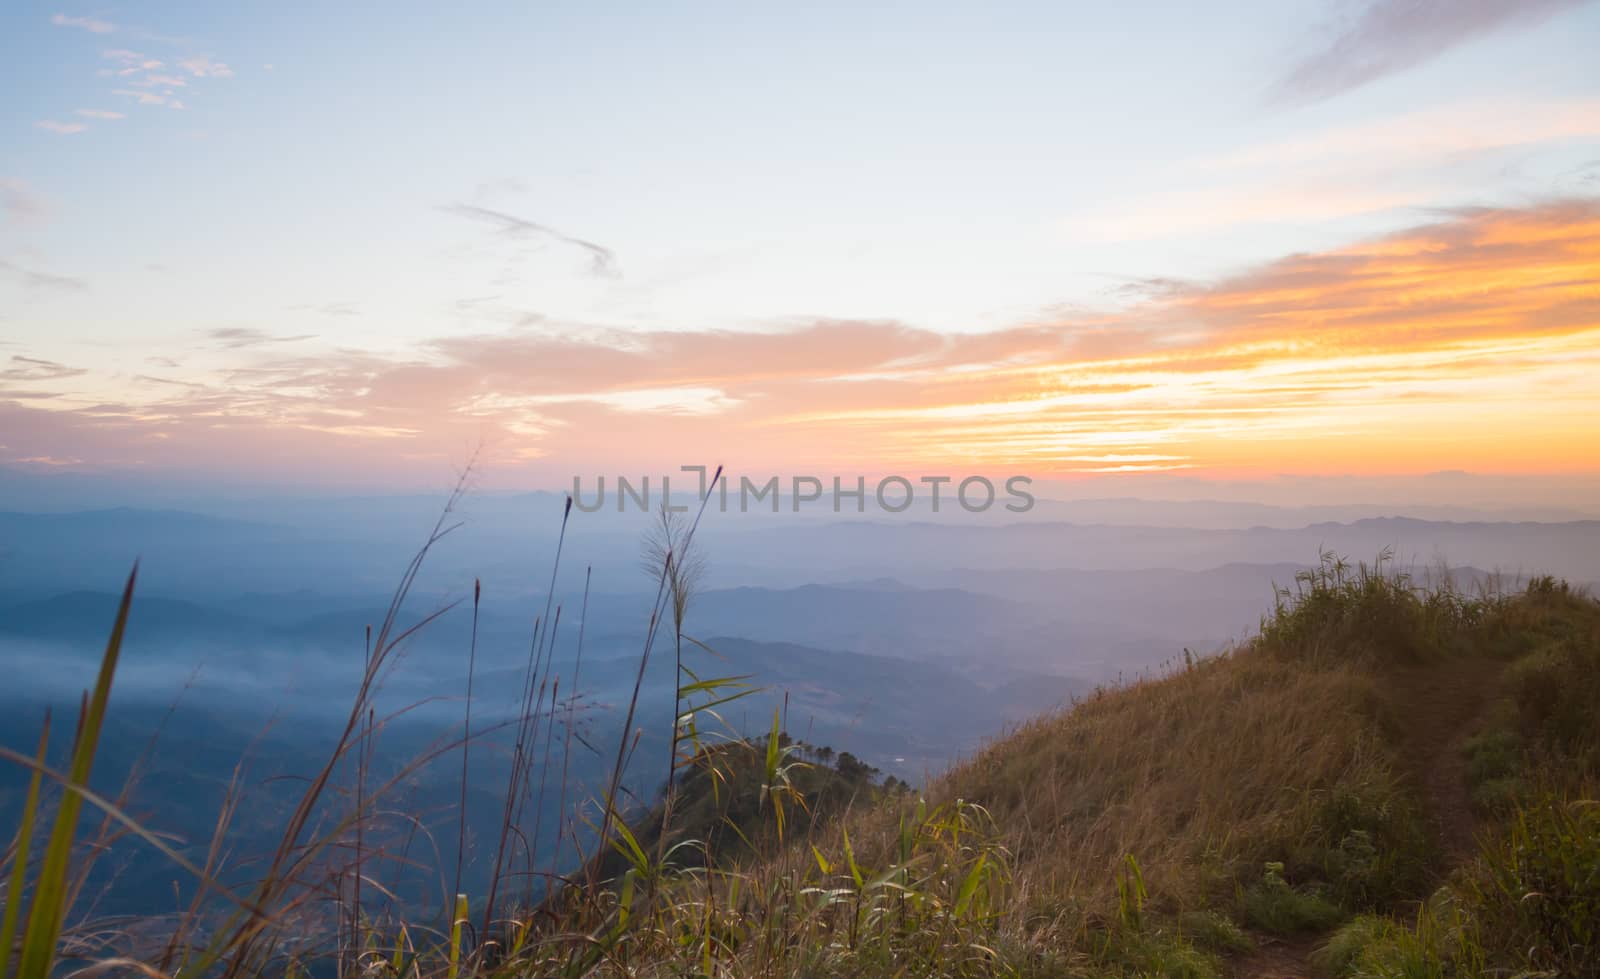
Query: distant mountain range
x,y
215,560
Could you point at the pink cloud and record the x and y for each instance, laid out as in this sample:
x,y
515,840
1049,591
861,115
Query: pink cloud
x,y
63,128
204,67
91,24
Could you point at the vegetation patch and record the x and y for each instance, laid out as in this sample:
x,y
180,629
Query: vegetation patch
x,y
1538,893
1496,769
1370,845
1215,931
1277,907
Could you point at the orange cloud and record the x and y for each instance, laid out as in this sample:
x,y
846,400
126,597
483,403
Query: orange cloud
x,y
1471,343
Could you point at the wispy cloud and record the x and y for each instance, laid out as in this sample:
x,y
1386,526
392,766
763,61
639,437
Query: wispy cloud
x,y
602,261
18,201
61,128
157,80
328,309
204,67
93,25
30,369
1390,36
234,337
129,62
148,98
41,281
1395,164
152,81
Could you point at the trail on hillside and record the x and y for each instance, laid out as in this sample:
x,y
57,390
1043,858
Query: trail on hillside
x,y
1444,705
1278,958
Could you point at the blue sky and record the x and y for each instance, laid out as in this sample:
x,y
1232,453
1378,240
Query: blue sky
x,y
376,177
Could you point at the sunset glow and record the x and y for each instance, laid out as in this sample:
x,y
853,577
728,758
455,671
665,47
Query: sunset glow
x,y
1399,279
1471,342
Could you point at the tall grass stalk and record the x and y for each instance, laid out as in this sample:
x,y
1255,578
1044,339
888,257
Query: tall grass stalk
x,y
48,907
521,763
22,852
466,739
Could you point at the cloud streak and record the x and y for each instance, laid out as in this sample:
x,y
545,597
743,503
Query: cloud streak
x,y
19,203
602,262
31,369
204,67
235,337
93,25
1391,36
145,79
148,98
36,281
61,128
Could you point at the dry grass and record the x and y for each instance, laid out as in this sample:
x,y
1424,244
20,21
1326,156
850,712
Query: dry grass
x,y
1214,769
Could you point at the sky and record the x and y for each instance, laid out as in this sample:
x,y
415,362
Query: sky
x,y
361,245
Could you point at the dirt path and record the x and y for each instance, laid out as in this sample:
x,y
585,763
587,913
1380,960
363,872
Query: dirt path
x,y
1278,958
1444,705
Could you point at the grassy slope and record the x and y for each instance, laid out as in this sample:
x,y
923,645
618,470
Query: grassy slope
x,y
1345,762
1233,816
1386,782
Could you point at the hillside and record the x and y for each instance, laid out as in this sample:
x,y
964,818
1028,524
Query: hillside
x,y
1386,781
1289,807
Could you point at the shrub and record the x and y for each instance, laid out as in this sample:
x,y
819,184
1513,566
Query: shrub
x,y
1158,953
1495,760
1371,846
1548,611
1499,795
1373,947
1370,612
1491,754
1275,906
1556,689
1347,947
1403,955
1215,931
1540,898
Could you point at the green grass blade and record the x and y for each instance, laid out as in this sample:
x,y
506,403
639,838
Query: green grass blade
x,y
710,704
627,844
625,902
969,887
771,761
49,907
715,683
19,870
850,860
822,861
456,921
